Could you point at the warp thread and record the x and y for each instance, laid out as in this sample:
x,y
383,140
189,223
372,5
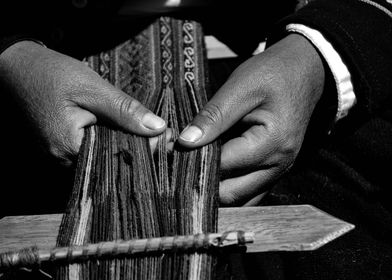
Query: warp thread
x,y
122,189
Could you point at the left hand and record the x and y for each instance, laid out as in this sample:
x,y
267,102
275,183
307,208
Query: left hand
x,y
62,96
271,97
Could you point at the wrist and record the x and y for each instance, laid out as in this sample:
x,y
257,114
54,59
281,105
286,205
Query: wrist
x,y
302,69
21,45
319,84
17,64
10,41
310,69
17,55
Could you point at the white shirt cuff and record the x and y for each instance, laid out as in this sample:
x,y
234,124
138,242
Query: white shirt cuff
x,y
344,85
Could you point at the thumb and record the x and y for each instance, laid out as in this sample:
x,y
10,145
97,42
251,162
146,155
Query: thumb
x,y
119,109
207,125
236,98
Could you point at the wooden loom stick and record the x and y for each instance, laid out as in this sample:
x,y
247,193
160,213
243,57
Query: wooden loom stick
x,y
124,191
276,228
33,257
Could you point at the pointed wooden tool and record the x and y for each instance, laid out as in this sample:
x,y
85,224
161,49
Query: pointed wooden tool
x,y
276,228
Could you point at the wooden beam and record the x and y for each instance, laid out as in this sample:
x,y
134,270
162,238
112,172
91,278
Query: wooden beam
x,y
276,228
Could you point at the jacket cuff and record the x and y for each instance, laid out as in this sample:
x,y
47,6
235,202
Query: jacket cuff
x,y
345,94
359,30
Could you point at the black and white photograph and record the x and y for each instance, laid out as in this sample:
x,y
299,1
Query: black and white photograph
x,y
196,139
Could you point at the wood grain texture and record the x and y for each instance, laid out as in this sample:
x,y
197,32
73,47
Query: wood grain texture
x,y
276,228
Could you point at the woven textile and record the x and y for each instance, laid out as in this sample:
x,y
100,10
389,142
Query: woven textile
x,y
122,190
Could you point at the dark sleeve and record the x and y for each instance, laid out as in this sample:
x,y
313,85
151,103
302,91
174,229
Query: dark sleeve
x,y
361,32
9,40
19,21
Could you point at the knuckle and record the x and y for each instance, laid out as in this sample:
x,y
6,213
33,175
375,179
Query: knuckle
x,y
55,151
290,147
212,114
63,154
287,145
229,198
288,151
81,95
127,107
61,145
285,141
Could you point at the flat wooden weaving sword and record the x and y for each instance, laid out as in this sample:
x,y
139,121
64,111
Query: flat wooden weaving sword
x,y
275,228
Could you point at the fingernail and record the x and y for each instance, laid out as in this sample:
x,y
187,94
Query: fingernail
x,y
152,121
191,134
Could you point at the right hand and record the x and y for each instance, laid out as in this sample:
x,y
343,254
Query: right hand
x,y
269,99
62,96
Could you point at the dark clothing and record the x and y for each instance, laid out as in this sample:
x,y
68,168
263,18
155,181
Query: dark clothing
x,y
84,27
345,173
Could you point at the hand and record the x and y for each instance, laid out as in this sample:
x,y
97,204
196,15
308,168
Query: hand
x,y
270,99
62,96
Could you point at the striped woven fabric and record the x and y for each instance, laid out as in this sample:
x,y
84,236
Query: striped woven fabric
x,y
122,189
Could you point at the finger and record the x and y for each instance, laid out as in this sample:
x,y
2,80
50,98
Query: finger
x,y
80,119
240,190
266,142
69,134
110,104
168,138
255,200
252,151
238,96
